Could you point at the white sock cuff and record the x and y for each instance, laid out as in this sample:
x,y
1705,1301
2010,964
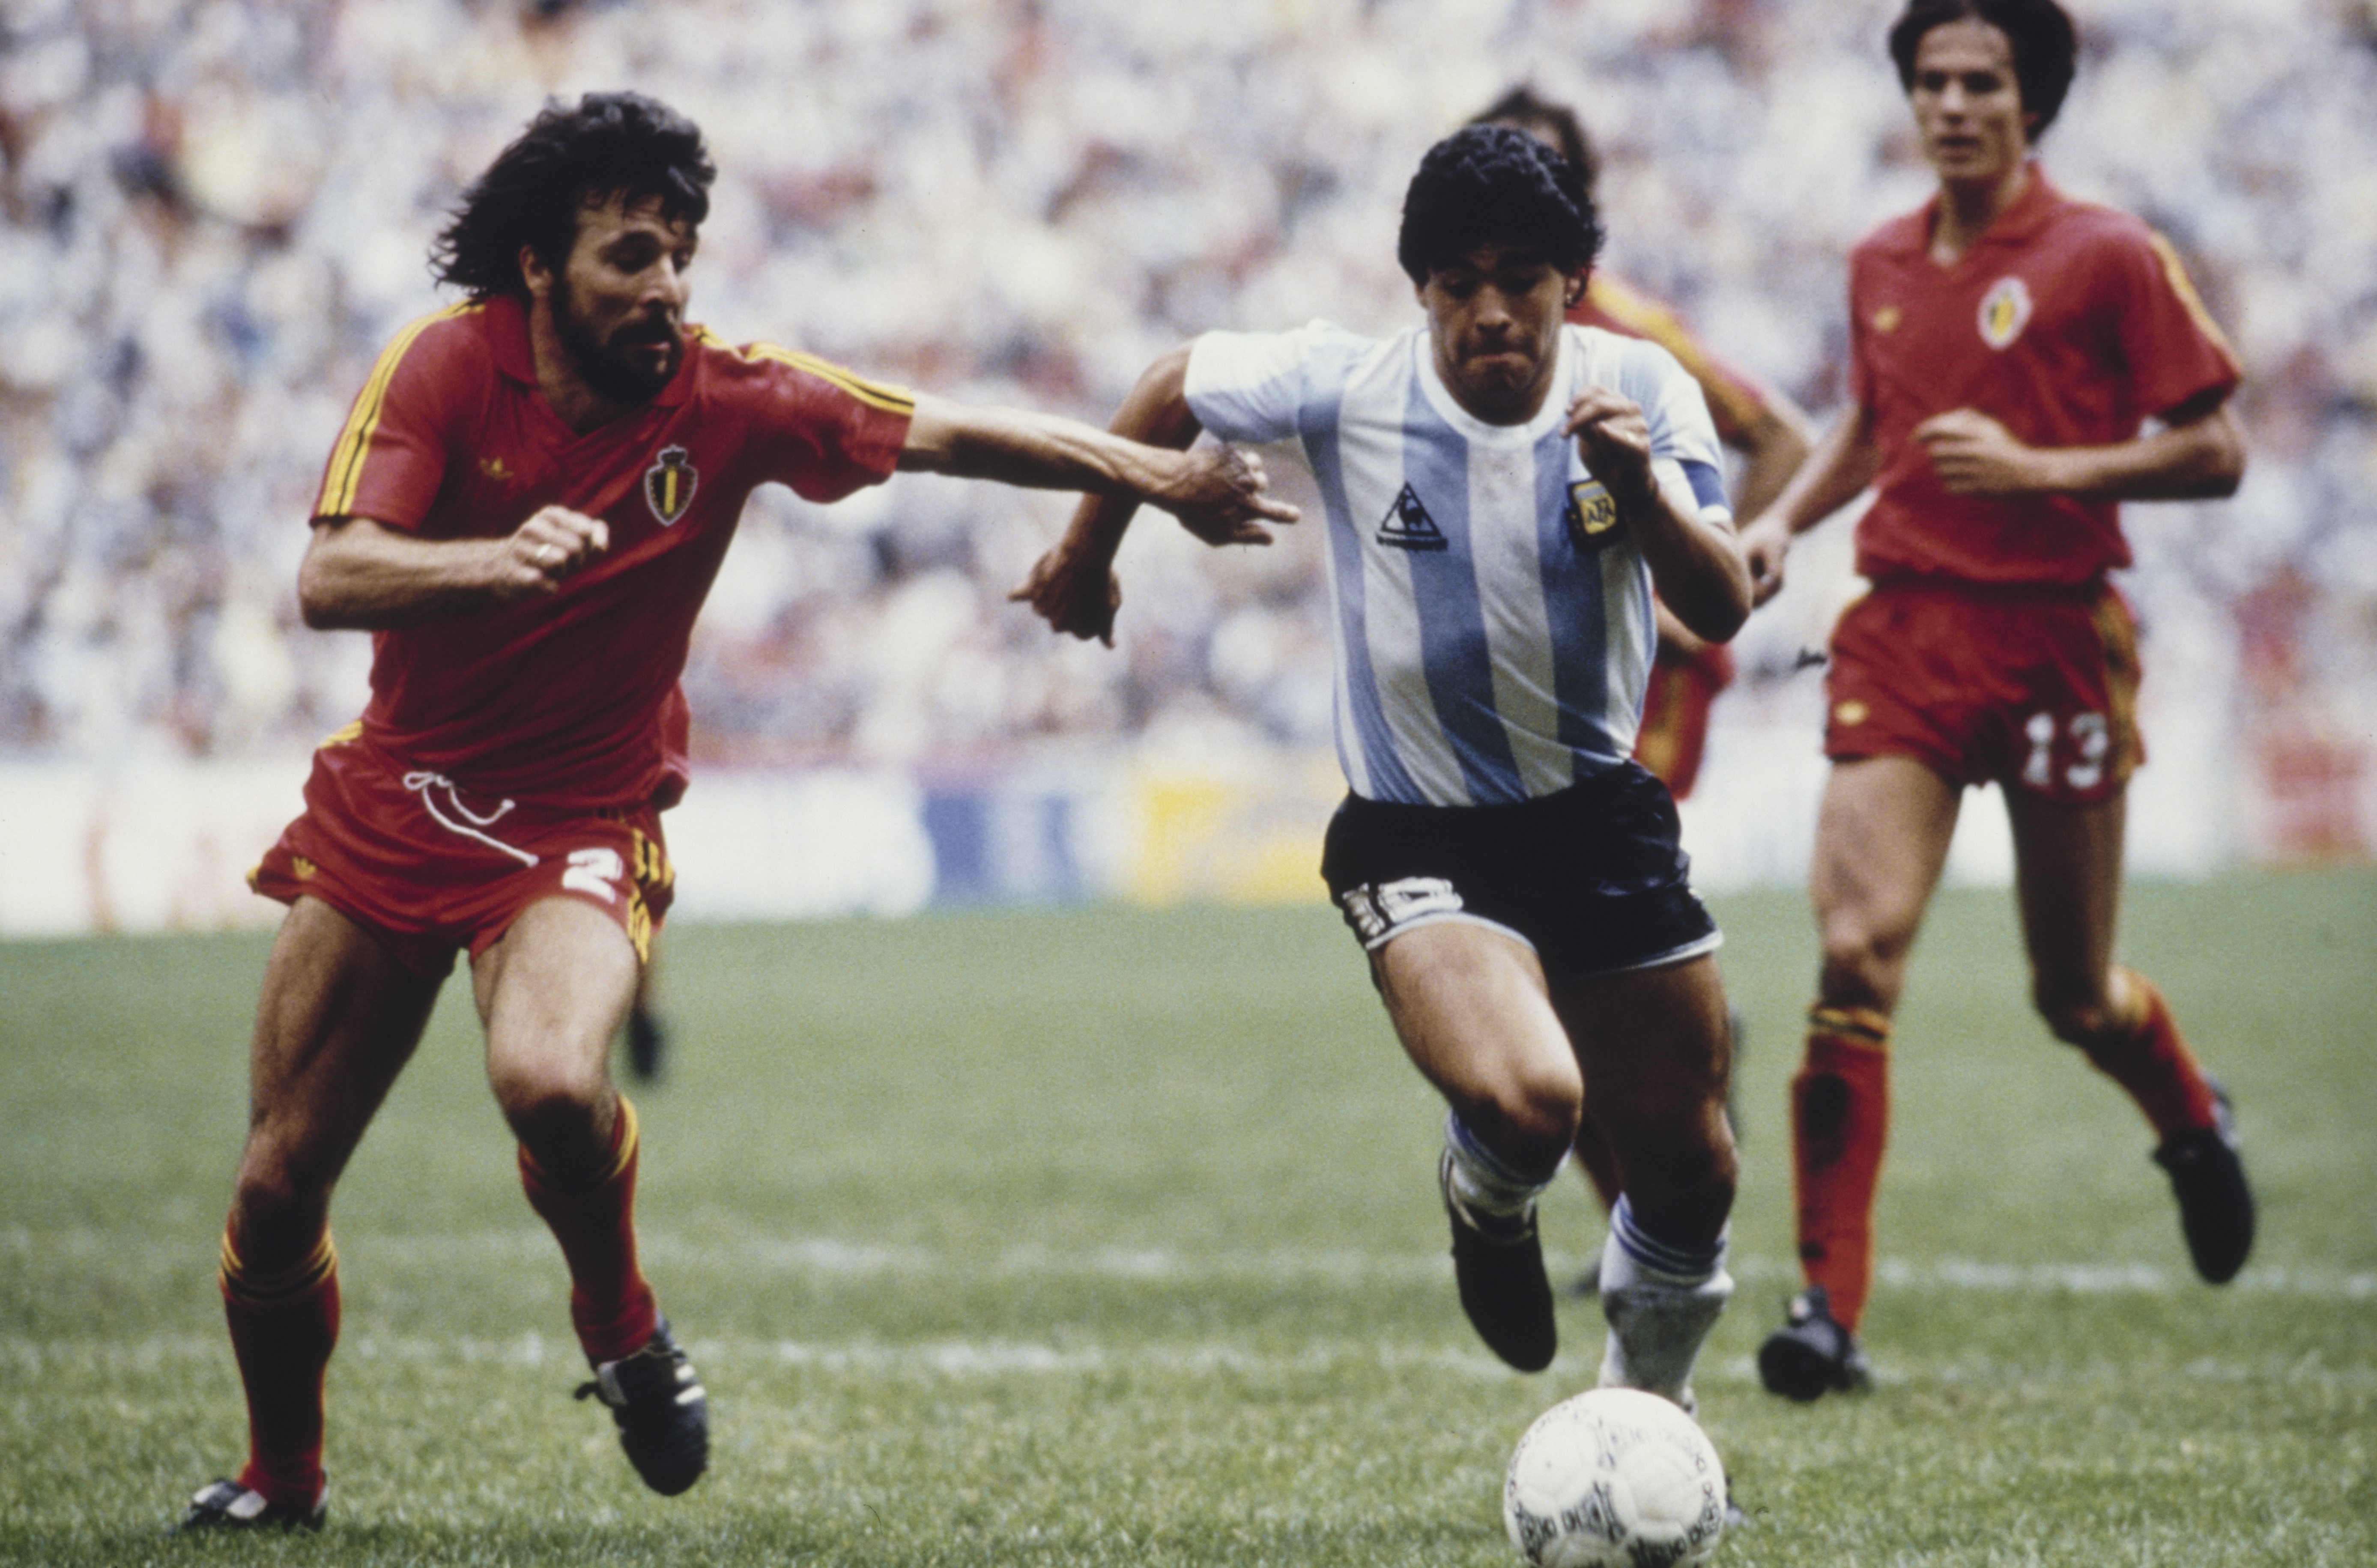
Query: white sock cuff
x,y
1481,1180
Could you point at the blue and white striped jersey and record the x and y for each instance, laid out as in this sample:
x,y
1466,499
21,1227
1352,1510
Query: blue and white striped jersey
x,y
1493,618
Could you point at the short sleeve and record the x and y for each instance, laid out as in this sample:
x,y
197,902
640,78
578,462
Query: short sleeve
x,y
2174,349
820,428
1861,386
1252,386
390,458
1683,435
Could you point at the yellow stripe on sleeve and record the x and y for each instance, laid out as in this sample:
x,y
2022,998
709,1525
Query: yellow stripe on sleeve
x,y
2174,272
346,469
874,394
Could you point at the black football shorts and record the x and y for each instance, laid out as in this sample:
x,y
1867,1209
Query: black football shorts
x,y
1592,878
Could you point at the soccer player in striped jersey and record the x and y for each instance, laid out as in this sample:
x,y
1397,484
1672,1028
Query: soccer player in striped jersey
x,y
1757,420
526,508
2009,344
1503,491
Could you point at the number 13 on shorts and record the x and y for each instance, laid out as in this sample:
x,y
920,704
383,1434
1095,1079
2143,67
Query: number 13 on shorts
x,y
2070,754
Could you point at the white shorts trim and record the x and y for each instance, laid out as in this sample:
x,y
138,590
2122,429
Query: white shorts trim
x,y
1697,948
1448,916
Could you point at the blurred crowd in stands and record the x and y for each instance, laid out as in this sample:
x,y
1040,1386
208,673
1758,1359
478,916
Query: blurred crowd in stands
x,y
213,213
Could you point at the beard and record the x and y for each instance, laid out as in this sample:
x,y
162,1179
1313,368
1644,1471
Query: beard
x,y
603,365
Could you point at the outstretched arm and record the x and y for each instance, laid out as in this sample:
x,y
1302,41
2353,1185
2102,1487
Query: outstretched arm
x,y
1073,587
359,575
1836,473
1216,493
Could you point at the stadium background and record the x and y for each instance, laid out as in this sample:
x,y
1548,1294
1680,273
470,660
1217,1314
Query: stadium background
x,y
216,213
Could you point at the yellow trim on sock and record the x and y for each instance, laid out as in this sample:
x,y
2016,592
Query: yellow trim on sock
x,y
257,1290
1860,1026
2144,996
625,1141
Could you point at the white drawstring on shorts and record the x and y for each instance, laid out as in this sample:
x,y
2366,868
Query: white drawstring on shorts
x,y
422,783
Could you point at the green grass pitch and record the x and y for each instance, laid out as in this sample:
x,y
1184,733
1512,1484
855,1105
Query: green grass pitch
x,y
1106,1237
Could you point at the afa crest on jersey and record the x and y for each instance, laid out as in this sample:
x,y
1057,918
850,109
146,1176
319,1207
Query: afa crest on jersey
x,y
1592,514
2005,310
669,484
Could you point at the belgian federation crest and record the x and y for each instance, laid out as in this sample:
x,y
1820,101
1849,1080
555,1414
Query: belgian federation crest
x,y
1592,514
2005,310
669,484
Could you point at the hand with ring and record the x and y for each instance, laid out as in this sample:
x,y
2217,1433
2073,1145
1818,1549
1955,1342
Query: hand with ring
x,y
549,546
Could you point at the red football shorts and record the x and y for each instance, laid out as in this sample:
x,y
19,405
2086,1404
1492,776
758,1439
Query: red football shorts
x,y
2030,688
435,869
1673,733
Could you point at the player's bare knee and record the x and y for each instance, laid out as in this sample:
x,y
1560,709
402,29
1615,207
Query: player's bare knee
x,y
278,1186
549,1099
1860,970
1529,1119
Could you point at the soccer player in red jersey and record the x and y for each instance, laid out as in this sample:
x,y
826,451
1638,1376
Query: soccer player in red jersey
x,y
526,509
2010,345
1762,423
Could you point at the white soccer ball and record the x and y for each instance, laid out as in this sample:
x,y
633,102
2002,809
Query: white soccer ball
x,y
1615,1479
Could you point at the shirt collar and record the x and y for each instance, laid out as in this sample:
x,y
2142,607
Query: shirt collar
x,y
2018,222
2029,212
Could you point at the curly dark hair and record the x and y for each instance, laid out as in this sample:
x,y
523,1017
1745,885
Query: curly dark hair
x,y
2046,47
1485,184
1525,108
613,143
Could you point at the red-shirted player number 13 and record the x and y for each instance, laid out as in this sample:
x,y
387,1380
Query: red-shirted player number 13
x,y
2091,740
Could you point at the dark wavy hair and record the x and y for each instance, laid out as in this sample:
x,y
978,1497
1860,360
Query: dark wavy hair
x,y
611,144
1487,184
1524,107
2046,47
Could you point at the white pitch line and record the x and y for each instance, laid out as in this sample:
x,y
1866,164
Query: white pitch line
x,y
834,1259
729,1361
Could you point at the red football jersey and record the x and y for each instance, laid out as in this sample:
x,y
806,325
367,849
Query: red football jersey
x,y
2069,323
571,700
1735,401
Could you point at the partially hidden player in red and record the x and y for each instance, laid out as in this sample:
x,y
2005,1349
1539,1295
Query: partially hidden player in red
x,y
2011,346
526,508
1757,420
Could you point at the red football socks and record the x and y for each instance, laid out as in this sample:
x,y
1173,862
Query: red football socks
x,y
283,1326
2147,1057
610,1303
1840,1117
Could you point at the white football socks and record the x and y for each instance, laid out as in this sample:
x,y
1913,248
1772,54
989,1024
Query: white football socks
x,y
1661,1301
